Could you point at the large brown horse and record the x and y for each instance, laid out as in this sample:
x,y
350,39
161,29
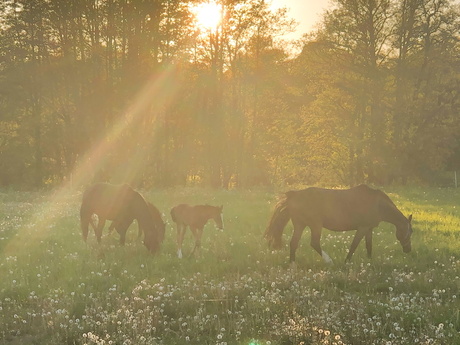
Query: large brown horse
x,y
360,208
121,204
196,218
157,220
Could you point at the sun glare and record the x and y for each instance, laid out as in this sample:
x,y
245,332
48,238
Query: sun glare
x,y
208,15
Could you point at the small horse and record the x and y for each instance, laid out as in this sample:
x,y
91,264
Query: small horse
x,y
157,219
360,208
122,204
196,218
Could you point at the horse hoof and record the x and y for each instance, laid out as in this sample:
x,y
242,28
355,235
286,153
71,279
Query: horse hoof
x,y
326,258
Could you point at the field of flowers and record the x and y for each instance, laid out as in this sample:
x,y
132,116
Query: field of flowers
x,y
55,289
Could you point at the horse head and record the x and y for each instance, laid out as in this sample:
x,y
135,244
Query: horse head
x,y
157,229
219,217
152,241
403,234
161,229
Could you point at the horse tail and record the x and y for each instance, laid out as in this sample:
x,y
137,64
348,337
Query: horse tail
x,y
277,224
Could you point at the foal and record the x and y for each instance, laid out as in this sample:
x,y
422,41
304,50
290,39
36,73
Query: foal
x,y
196,218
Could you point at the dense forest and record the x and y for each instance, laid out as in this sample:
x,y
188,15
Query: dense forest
x,y
137,91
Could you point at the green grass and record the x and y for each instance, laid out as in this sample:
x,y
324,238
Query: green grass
x,y
55,289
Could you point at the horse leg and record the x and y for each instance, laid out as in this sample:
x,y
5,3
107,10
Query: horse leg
x,y
85,219
298,230
315,243
139,231
180,238
122,227
122,231
85,222
92,222
197,234
368,238
98,229
112,226
360,233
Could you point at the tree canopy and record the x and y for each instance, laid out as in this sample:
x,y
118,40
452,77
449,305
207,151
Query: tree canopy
x,y
138,91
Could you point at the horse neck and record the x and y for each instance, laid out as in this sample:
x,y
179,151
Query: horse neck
x,y
156,215
141,211
391,214
208,213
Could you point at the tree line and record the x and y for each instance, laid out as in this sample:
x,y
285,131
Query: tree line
x,y
136,91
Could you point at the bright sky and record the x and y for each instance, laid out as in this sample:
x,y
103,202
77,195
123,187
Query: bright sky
x,y
306,12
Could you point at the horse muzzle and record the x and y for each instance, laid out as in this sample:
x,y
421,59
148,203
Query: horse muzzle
x,y
406,243
407,248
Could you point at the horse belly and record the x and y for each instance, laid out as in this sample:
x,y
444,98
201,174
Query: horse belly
x,y
349,224
338,210
108,209
338,226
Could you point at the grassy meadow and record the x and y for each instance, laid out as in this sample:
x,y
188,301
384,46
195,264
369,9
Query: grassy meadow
x,y
55,289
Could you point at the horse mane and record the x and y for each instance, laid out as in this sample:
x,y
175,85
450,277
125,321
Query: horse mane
x,y
390,211
155,211
385,201
139,202
278,221
386,197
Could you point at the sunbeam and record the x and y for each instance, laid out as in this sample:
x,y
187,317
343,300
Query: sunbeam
x,y
152,99
157,93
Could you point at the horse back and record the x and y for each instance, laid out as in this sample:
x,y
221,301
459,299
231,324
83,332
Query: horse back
x,y
190,215
154,211
337,210
179,213
109,201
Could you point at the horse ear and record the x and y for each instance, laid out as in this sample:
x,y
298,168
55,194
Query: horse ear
x,y
410,218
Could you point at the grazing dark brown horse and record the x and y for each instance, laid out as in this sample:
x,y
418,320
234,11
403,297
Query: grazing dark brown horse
x,y
157,219
196,218
360,208
121,204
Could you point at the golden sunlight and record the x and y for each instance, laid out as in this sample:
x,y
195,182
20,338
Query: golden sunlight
x,y
208,15
47,213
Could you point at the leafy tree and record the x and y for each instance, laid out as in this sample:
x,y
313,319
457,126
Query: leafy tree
x,y
134,91
376,59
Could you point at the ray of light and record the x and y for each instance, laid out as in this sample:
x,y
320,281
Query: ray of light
x,y
153,98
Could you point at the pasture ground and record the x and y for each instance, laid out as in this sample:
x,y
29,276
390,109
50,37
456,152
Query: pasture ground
x,y
55,289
